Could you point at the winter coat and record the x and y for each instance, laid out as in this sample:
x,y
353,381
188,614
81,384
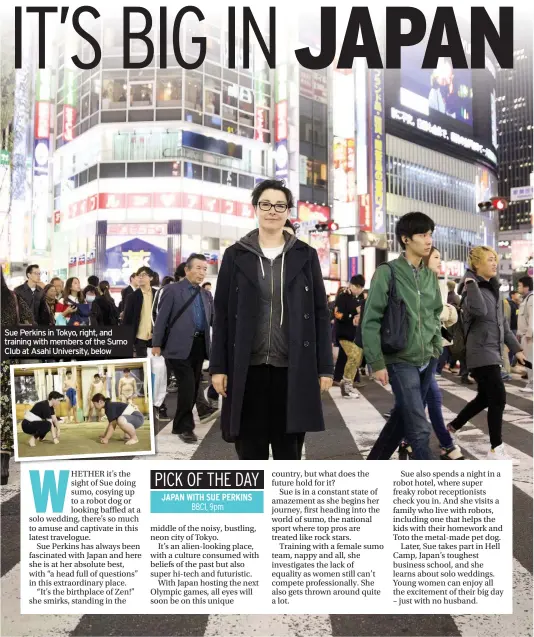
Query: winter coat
x,y
238,310
347,305
525,319
485,323
449,316
422,297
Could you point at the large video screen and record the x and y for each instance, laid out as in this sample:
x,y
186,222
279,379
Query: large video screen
x,y
447,109
444,90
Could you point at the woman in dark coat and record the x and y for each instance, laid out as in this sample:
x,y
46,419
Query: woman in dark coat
x,y
271,352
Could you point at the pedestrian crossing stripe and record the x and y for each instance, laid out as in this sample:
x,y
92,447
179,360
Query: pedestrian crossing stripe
x,y
364,420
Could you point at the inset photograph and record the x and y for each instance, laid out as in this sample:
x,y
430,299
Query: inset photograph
x,y
82,409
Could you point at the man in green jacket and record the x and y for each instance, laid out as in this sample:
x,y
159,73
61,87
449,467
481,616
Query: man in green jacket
x,y
410,370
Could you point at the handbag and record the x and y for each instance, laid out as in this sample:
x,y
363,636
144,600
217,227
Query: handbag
x,y
180,312
394,328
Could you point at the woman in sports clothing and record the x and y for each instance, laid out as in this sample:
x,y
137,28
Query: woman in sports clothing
x,y
123,415
41,419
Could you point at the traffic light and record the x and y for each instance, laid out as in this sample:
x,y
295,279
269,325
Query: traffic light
x,y
330,226
497,203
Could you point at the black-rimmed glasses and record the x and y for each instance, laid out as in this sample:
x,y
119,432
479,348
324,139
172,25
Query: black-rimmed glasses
x,y
265,206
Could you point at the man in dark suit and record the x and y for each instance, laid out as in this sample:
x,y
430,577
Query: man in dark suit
x,y
188,340
31,291
130,289
138,311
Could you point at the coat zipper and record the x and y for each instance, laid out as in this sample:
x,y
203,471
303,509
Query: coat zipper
x,y
271,313
419,318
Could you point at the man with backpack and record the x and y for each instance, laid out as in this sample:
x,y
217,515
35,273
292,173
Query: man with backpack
x,y
402,336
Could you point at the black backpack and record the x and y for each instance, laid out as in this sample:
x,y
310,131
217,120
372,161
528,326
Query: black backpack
x,y
394,328
459,333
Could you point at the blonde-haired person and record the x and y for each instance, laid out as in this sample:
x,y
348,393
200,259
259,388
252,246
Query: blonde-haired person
x,y
487,331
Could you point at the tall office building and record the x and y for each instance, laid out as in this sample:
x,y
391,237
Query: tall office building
x,y
514,120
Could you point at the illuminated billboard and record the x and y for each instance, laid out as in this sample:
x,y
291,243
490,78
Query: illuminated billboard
x,y
447,109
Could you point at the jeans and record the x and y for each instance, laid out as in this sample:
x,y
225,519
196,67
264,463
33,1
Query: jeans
x,y
408,418
434,403
444,358
491,393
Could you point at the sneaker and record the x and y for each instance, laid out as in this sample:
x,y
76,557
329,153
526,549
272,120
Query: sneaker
x,y
31,441
506,376
451,454
527,389
172,387
189,437
337,383
499,453
359,384
346,389
467,381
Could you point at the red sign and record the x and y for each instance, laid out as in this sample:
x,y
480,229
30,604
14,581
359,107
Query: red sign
x,y
281,121
229,207
139,201
366,220
69,122
245,210
351,170
312,212
211,204
119,201
42,120
259,124
193,202
57,217
166,200
110,202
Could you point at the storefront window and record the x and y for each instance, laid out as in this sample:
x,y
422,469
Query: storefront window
x,y
230,94
85,107
114,90
319,174
95,95
192,171
246,131
229,113
169,90
246,119
193,91
229,178
212,103
141,94
212,175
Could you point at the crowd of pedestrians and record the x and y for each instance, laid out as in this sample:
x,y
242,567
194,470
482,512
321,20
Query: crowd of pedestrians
x,y
270,336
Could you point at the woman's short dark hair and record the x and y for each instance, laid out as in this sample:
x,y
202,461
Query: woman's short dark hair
x,y
55,395
179,273
413,223
98,398
272,184
166,280
146,270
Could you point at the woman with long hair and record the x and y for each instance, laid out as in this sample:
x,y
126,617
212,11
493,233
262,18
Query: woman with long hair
x,y
74,300
487,331
14,311
106,303
47,306
126,416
